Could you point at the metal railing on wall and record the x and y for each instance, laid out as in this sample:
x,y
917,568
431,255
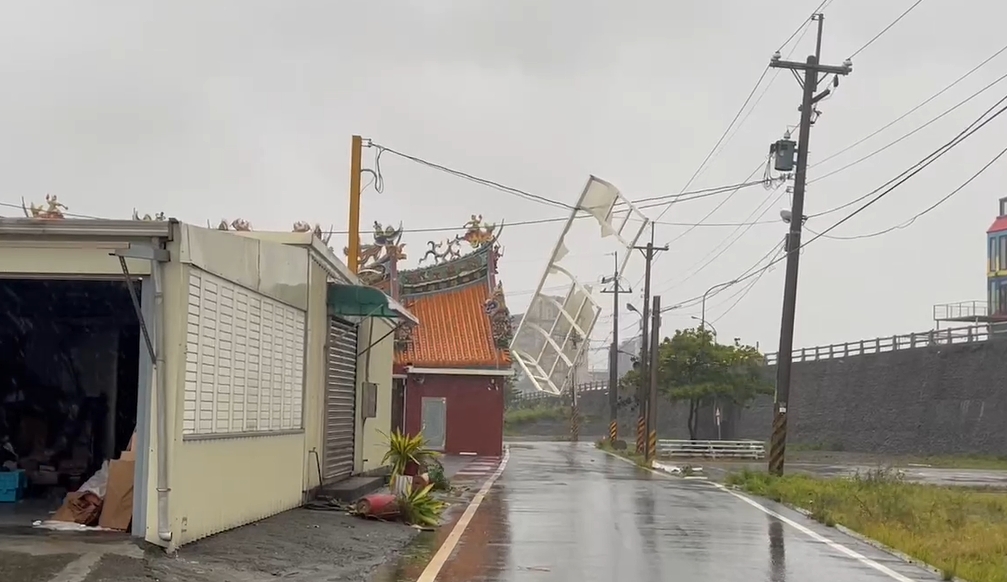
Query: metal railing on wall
x,y
547,397
910,341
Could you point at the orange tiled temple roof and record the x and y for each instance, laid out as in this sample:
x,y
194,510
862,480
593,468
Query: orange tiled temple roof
x,y
454,331
464,321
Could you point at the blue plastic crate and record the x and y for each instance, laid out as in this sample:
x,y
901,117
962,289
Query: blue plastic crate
x,y
12,485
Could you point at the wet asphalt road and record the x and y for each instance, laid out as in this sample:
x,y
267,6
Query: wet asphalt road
x,y
568,512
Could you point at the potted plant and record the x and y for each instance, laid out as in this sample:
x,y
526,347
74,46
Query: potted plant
x,y
407,455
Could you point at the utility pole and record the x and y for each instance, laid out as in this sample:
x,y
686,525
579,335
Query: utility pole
x,y
649,252
353,248
655,343
613,357
811,69
574,412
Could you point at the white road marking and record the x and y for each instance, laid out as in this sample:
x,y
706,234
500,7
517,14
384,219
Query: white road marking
x,y
806,531
78,570
818,537
435,565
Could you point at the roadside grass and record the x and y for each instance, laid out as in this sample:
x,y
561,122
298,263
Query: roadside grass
x,y
963,532
625,452
520,416
517,418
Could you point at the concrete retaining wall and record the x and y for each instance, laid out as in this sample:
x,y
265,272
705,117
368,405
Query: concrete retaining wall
x,y
936,400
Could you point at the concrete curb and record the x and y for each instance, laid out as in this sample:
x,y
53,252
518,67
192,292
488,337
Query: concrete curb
x,y
860,537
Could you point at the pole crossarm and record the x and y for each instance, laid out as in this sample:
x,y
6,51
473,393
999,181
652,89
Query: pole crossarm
x,y
844,69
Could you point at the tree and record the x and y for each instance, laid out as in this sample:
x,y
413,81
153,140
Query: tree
x,y
694,368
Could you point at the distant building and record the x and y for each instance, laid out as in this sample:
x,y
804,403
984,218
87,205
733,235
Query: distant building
x,y
994,309
996,271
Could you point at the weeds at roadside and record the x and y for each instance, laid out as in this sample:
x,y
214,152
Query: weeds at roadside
x,y
962,532
620,448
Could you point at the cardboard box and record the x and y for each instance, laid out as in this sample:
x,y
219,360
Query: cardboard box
x,y
117,509
82,508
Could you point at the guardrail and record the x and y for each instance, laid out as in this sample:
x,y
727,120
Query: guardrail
x,y
581,388
669,448
963,310
936,337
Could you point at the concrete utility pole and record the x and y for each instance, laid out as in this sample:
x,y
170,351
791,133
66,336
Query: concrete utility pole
x,y
649,252
811,69
655,344
613,357
574,409
353,248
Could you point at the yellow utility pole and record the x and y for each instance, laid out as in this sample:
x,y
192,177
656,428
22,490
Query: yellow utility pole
x,y
353,248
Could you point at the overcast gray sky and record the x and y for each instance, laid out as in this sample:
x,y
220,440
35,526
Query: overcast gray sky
x,y
218,109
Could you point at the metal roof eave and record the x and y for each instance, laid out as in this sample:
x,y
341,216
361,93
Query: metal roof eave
x,y
76,228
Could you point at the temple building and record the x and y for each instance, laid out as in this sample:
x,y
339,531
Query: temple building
x,y
452,370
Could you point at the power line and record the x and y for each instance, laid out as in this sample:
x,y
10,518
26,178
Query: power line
x,y
900,139
886,29
902,178
67,214
717,207
748,226
464,175
748,289
924,212
903,137
741,110
914,109
776,73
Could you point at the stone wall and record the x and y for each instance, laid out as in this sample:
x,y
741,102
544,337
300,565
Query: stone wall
x,y
934,400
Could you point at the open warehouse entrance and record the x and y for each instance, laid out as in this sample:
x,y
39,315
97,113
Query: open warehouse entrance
x,y
69,375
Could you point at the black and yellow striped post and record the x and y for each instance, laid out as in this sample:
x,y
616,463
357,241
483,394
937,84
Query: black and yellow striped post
x,y
651,447
574,424
641,435
613,431
778,442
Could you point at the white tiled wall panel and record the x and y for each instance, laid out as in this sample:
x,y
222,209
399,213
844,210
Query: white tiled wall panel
x,y
244,360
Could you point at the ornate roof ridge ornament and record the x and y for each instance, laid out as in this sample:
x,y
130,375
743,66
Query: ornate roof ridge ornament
x,y
303,226
477,234
53,209
159,217
238,224
375,259
500,320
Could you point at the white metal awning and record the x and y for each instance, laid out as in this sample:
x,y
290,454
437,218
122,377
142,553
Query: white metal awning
x,y
561,339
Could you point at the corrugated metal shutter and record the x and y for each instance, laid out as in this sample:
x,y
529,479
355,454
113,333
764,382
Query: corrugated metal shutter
x,y
340,399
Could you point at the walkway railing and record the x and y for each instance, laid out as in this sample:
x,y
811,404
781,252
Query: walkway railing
x,y
937,337
581,388
672,449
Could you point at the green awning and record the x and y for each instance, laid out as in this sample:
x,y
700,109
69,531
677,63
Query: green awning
x,y
363,301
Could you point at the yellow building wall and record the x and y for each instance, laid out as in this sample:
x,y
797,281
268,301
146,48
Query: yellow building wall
x,y
75,258
314,373
220,484
374,366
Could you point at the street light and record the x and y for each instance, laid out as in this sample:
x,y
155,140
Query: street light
x,y
705,323
702,321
